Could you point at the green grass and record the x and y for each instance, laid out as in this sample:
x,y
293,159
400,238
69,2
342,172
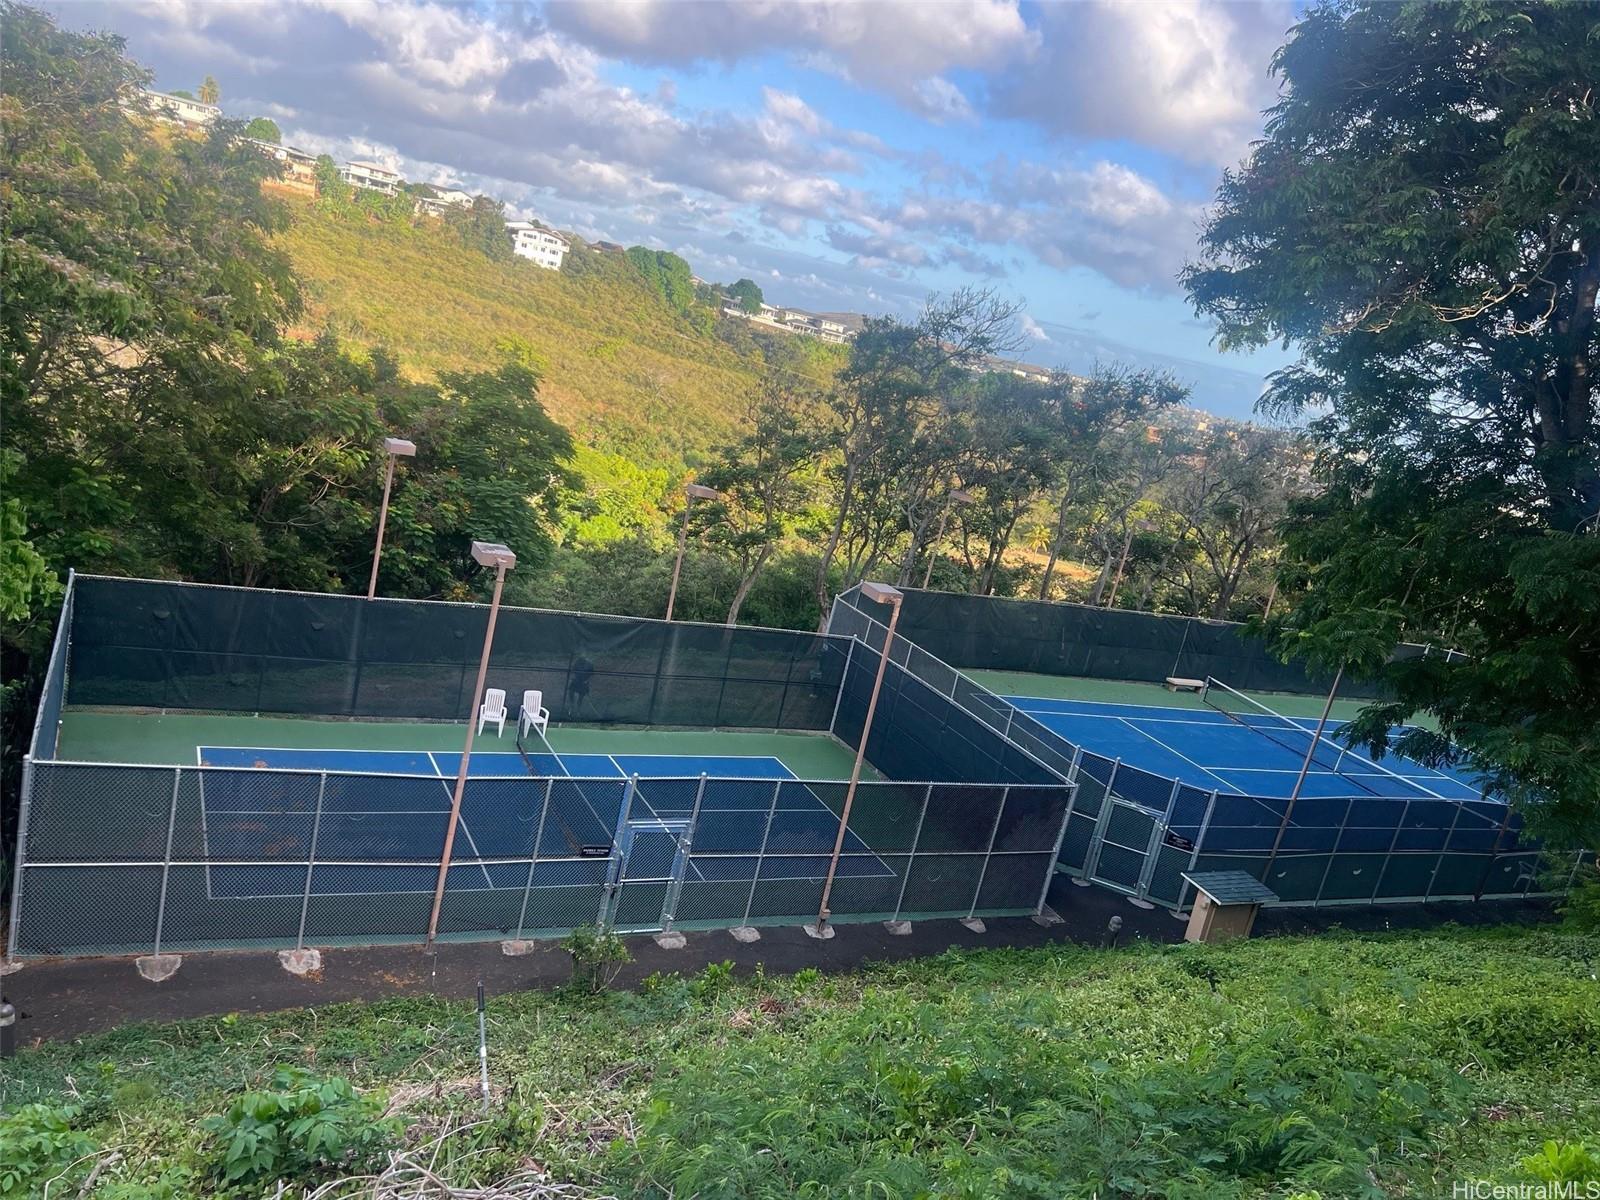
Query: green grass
x,y
1341,1066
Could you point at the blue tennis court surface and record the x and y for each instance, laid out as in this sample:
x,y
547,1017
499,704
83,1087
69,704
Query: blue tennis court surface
x,y
393,805
1211,750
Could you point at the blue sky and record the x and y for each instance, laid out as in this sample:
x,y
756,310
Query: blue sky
x,y
846,156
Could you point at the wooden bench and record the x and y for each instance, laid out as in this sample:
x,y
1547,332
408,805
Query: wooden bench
x,y
1177,684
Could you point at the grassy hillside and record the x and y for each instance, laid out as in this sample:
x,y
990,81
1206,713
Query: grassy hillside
x,y
1339,1066
621,370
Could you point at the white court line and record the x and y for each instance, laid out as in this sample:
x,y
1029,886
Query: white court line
x,y
1234,788
1105,704
449,792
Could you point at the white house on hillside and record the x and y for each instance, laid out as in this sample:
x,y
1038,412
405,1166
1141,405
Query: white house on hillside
x,y
181,109
442,199
540,245
371,176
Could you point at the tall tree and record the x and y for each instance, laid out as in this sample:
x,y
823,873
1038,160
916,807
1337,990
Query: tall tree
x,y
1422,220
263,129
763,480
747,294
210,91
898,382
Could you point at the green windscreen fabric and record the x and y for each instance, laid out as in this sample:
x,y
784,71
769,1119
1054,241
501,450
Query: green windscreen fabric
x,y
151,644
993,633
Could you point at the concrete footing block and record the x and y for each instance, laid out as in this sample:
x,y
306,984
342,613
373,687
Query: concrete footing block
x,y
156,967
898,928
820,932
1138,903
10,967
974,924
745,933
670,939
1047,917
300,961
516,947
1076,882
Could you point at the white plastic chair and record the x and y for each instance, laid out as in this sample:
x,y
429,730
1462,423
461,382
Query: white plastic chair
x,y
534,713
493,709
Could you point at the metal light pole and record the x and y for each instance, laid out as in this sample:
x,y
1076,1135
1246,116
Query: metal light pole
x,y
956,496
691,493
882,593
488,554
394,448
1305,769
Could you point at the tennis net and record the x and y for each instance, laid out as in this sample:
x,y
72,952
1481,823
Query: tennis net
x,y
587,832
1326,754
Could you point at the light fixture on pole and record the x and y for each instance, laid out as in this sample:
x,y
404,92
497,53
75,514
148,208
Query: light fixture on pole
x,y
486,554
880,593
393,448
956,496
691,493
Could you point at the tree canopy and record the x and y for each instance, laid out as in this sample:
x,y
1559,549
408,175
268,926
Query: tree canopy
x,y
1422,222
263,129
747,295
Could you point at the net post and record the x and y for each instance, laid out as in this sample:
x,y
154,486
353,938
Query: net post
x,y
988,851
24,806
1055,850
311,860
166,861
533,860
911,854
766,834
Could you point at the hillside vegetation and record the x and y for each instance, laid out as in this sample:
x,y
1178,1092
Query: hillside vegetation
x,y
1379,1065
619,368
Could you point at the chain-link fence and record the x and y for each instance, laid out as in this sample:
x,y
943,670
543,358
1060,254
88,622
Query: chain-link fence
x,y
135,858
1138,832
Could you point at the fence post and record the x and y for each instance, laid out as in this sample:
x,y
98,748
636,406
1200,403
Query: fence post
x,y
619,864
311,860
1199,841
844,677
1055,852
761,854
166,861
899,901
1494,851
1333,852
1428,896
24,805
1091,856
1388,858
538,841
988,851
680,860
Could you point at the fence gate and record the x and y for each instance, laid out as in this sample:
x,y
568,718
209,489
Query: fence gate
x,y
1120,855
646,875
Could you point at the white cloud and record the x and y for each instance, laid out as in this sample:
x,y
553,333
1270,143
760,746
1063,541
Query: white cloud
x,y
1186,76
896,46
1031,328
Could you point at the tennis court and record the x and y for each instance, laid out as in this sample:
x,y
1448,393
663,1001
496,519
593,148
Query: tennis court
x,y
1242,746
392,805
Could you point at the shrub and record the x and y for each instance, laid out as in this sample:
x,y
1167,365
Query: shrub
x,y
38,1144
299,1128
597,956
